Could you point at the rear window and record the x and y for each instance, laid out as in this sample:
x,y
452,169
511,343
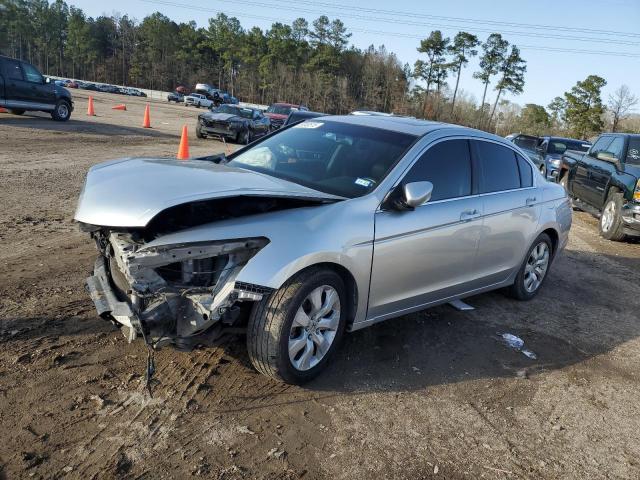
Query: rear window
x,y
13,70
498,167
633,152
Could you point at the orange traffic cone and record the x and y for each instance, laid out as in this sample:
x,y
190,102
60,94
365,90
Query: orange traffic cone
x,y
146,123
183,149
122,106
90,111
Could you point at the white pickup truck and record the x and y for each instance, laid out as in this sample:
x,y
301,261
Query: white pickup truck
x,y
198,100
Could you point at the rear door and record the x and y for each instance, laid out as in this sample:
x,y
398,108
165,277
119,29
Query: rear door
x,y
15,86
511,206
428,254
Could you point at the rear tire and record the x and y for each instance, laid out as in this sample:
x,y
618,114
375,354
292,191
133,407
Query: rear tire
x,y
275,342
611,225
534,270
16,111
62,111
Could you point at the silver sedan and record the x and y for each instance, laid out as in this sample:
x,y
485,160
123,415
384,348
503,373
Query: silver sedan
x,y
327,226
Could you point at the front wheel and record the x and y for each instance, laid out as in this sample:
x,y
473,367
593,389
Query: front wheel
x,y
564,181
199,133
61,112
293,333
543,170
244,137
534,269
611,226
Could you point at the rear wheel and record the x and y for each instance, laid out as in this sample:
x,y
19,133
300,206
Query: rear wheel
x,y
611,225
62,111
534,269
244,137
293,333
17,111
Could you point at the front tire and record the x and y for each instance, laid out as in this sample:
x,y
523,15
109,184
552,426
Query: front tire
x,y
199,133
294,332
611,225
61,112
534,269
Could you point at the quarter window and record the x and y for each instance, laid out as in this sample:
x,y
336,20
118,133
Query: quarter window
x,y
447,165
498,167
526,175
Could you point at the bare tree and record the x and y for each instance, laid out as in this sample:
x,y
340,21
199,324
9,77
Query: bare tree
x,y
620,104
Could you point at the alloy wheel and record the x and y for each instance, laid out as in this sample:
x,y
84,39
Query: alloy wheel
x,y
314,327
536,267
608,216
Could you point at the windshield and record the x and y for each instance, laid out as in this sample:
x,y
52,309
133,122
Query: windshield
x,y
280,109
332,157
558,146
243,112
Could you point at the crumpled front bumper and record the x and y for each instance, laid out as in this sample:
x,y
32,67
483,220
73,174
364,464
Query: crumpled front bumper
x,y
106,301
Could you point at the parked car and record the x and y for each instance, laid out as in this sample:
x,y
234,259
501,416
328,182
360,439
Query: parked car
x,y
175,97
240,124
108,88
605,181
70,84
88,86
278,113
23,88
134,92
529,145
198,100
328,226
551,150
297,116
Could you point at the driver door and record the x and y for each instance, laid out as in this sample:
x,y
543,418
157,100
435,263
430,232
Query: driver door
x,y
428,254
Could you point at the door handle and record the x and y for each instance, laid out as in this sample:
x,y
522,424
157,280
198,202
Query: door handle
x,y
531,201
469,215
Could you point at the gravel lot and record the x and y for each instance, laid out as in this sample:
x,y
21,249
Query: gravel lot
x,y
429,395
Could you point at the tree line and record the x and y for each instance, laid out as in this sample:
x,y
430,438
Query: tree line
x,y
304,62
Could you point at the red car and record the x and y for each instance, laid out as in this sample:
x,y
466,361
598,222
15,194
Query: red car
x,y
278,113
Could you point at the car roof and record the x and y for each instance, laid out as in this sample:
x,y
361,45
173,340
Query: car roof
x,y
412,126
284,104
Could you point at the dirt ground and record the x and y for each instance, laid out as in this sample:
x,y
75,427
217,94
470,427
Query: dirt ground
x,y
430,395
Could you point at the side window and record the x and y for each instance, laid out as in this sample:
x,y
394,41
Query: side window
x,y
616,147
633,152
14,72
600,146
447,165
498,167
526,175
32,74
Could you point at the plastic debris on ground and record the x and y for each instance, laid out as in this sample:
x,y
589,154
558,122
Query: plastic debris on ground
x,y
517,344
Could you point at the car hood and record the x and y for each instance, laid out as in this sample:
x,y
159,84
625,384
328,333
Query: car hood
x,y
221,117
131,191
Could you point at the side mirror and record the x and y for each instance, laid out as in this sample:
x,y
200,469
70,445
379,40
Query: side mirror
x,y
607,157
408,196
417,193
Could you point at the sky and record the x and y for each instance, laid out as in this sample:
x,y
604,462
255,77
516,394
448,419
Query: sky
x,y
599,37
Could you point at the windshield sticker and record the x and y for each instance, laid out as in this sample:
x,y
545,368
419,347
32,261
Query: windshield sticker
x,y
308,125
363,182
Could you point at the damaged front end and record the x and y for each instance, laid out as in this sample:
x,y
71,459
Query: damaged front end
x,y
181,295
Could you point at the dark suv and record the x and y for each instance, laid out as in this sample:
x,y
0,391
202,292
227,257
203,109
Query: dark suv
x,y
23,87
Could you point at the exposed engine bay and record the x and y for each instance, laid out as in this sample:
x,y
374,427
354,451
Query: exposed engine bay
x,y
182,294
